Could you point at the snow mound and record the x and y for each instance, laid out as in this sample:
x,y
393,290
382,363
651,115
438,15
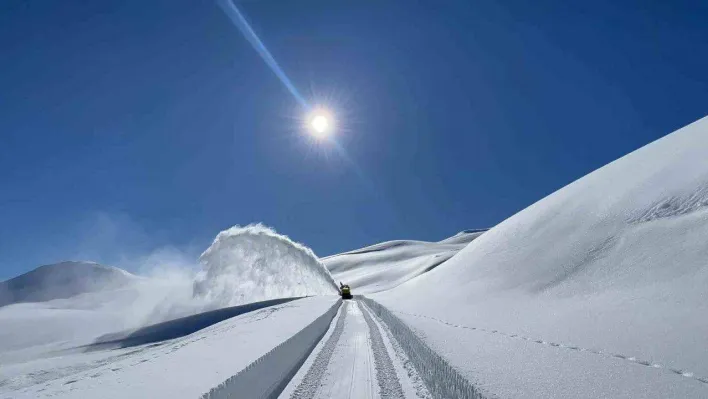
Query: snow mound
x,y
386,265
62,280
254,263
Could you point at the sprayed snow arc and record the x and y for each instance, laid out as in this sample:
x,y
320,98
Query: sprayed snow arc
x,y
246,264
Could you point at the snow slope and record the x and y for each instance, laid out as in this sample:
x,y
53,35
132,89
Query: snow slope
x,y
384,266
182,368
598,290
31,330
64,305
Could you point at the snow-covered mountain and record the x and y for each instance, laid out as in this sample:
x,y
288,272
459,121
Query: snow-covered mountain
x,y
386,265
62,280
69,304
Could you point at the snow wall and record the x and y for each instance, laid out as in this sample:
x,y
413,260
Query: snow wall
x,y
253,263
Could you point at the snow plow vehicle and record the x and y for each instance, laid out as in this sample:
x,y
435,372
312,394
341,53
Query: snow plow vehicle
x,y
345,291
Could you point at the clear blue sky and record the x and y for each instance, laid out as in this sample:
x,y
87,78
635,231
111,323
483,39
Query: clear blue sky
x,y
129,126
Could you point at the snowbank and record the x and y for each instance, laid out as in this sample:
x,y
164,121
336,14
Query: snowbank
x,y
616,263
253,263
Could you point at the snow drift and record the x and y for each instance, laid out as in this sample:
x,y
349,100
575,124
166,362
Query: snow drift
x,y
252,263
616,262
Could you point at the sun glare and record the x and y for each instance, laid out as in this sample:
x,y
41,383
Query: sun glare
x,y
320,124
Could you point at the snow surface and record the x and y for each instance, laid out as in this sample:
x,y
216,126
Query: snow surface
x,y
267,376
386,265
350,367
29,330
356,358
183,368
598,290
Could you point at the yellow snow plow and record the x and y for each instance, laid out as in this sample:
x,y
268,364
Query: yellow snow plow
x,y
345,291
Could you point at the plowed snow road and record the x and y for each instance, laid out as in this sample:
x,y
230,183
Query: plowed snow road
x,y
356,349
354,360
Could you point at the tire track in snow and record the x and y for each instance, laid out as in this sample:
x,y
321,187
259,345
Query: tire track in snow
x,y
389,385
313,378
352,373
440,378
402,363
599,352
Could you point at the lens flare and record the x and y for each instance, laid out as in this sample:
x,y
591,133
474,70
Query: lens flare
x,y
242,24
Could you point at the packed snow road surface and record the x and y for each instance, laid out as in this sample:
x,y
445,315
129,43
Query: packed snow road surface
x,y
350,370
355,359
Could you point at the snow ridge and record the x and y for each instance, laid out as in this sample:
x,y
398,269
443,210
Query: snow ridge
x,y
269,375
441,379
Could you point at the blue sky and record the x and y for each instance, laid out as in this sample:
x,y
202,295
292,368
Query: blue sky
x,y
127,127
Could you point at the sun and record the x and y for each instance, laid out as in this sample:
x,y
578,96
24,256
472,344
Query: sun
x,y
320,124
